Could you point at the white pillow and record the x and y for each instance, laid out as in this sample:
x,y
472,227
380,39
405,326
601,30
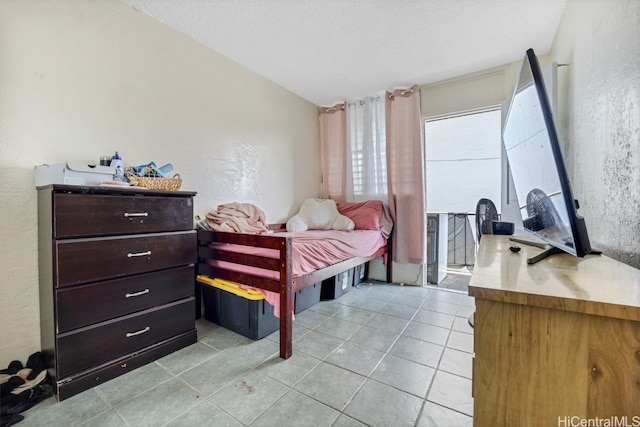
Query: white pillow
x,y
319,214
297,223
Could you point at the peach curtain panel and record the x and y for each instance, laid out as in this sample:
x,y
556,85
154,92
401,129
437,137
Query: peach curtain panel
x,y
333,140
405,175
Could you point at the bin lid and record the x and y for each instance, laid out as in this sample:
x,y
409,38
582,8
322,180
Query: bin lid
x,y
234,288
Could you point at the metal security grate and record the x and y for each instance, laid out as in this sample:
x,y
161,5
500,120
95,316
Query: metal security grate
x,y
461,244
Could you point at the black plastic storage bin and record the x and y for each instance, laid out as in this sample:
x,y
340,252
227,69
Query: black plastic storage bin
x,y
337,285
360,273
242,311
306,297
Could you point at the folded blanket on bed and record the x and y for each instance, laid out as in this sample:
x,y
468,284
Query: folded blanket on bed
x,y
238,218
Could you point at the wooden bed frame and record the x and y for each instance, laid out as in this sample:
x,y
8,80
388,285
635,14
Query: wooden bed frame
x,y
286,286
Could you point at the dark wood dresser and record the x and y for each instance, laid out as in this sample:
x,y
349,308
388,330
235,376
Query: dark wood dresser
x,y
116,270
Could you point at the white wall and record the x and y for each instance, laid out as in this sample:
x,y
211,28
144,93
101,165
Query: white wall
x,y
599,119
81,79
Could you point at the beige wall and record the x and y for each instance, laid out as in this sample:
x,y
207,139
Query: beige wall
x,y
81,79
471,92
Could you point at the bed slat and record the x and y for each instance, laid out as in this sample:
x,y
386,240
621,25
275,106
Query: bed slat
x,y
271,241
243,278
267,263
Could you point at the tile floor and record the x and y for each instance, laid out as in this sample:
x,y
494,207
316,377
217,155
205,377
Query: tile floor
x,y
380,355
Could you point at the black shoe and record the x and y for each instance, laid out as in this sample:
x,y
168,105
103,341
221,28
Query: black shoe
x,y
13,368
37,365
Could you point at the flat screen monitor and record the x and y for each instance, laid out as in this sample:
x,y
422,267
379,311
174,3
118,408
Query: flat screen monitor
x,y
544,194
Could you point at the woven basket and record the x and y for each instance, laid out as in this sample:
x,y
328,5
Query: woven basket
x,y
173,183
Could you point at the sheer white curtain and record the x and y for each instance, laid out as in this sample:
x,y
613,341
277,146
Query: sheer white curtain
x,y
366,175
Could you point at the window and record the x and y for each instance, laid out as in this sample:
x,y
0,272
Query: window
x,y
463,161
367,148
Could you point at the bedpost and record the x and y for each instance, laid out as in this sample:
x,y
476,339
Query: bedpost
x,y
286,300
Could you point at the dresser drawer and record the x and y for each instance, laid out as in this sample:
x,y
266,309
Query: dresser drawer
x,y
79,306
86,260
83,215
94,377
90,347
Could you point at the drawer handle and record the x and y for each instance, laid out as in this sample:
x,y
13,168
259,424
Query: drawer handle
x,y
137,294
141,331
134,214
130,255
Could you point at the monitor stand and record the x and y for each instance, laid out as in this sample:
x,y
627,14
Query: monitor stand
x,y
542,255
552,251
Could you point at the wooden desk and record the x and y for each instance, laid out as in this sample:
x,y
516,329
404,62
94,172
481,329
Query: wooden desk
x,y
555,340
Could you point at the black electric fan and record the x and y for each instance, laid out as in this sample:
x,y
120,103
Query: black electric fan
x,y
486,213
541,212
543,215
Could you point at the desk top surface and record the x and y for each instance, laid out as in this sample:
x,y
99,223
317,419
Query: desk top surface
x,y
594,284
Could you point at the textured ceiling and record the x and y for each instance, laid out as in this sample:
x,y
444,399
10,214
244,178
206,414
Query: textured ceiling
x,y
328,51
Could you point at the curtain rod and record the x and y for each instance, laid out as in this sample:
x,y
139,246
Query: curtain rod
x,y
333,109
402,92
